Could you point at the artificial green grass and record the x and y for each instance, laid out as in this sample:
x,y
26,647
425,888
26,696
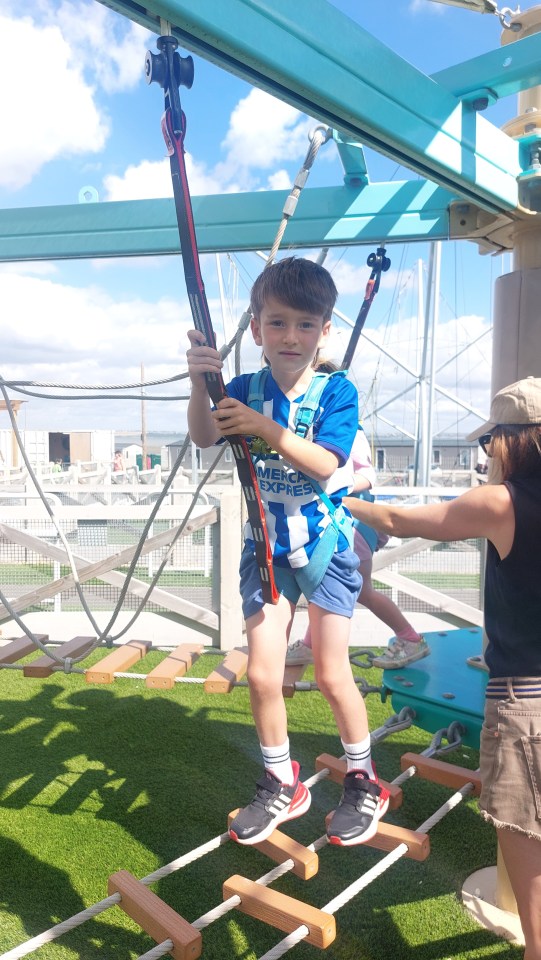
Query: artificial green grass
x,y
98,779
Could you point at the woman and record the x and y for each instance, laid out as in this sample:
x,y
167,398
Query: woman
x,y
507,511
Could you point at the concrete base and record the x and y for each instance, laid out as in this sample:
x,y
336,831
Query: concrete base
x,y
479,898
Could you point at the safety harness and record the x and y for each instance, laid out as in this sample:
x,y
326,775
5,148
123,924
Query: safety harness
x,y
309,577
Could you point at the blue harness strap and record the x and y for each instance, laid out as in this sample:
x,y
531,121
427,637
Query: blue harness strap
x,y
310,576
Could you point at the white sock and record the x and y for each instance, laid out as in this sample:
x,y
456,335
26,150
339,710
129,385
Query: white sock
x,y
278,761
358,756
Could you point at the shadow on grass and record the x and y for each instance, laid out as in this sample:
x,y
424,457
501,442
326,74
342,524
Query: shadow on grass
x,y
93,780
24,884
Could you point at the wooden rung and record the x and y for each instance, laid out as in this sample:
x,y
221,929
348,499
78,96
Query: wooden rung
x,y
232,668
20,647
156,918
176,664
281,911
44,666
279,847
117,661
390,836
291,675
437,771
337,771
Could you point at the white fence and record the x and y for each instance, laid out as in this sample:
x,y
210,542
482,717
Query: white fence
x,y
198,586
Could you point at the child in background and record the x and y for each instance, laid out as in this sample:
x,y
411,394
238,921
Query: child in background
x,y
407,645
292,303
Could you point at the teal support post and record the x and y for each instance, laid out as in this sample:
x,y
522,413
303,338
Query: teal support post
x,y
506,71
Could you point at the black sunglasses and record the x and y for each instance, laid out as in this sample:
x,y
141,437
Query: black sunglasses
x,y
484,442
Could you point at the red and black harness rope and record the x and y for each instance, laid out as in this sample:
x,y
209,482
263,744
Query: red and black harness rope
x,y
168,69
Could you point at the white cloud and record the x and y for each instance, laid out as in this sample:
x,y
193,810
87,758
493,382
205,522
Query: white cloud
x,y
53,112
351,279
380,378
263,132
427,6
30,268
55,61
151,179
58,333
61,333
111,49
279,180
49,322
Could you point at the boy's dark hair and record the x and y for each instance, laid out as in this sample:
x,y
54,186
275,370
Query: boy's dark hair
x,y
297,282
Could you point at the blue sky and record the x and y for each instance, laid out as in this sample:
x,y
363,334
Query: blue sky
x,y
95,122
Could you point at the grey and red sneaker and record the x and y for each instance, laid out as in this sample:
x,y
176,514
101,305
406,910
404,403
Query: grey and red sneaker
x,y
362,804
400,653
273,804
298,653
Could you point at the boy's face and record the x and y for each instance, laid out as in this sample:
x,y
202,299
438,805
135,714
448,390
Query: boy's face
x,y
289,337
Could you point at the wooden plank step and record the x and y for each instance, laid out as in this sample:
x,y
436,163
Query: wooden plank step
x,y
120,659
20,647
279,847
44,666
175,664
389,836
155,917
437,771
281,911
232,668
337,771
291,675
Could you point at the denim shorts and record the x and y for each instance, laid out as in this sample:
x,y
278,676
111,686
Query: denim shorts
x,y
337,592
511,760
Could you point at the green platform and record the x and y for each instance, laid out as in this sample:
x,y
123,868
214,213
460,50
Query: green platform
x,y
443,687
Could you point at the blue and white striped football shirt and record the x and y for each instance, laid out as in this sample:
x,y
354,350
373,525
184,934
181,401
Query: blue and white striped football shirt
x,y
295,515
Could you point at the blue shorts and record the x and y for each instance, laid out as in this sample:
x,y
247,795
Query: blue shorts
x,y
337,592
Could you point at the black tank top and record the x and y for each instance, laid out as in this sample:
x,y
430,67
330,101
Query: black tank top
x,y
513,590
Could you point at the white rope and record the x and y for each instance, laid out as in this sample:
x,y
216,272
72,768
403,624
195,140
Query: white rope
x,y
143,676
160,950
64,927
317,137
185,860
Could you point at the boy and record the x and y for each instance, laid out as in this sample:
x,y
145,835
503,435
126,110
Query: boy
x,y
292,303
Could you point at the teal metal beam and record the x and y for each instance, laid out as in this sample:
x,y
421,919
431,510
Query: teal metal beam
x,y
312,56
506,71
325,216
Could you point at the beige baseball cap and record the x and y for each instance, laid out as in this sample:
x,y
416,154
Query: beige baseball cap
x,y
518,404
